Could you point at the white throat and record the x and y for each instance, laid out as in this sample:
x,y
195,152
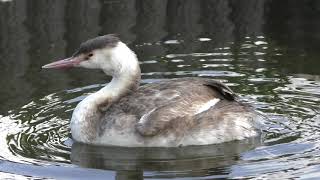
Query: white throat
x,y
122,64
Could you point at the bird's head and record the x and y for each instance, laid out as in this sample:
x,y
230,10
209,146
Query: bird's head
x,y
103,52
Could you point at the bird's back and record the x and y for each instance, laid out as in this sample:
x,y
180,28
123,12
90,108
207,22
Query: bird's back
x,y
187,111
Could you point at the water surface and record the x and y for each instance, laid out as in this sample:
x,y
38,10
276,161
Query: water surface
x,y
267,51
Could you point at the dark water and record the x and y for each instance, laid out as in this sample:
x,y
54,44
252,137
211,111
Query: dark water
x,y
266,50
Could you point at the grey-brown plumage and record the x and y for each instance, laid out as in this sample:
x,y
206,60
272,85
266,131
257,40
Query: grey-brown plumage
x,y
169,109
165,102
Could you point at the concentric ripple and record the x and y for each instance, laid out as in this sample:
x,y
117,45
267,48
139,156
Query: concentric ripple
x,y
40,129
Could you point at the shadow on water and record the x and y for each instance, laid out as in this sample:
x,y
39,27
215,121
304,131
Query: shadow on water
x,y
163,162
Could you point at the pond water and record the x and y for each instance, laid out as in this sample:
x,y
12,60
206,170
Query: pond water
x,y
267,51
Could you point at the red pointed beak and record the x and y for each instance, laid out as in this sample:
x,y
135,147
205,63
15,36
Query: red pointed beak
x,y
64,63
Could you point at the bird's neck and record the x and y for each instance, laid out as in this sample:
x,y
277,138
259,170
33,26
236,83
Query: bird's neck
x,y
118,87
125,78
87,115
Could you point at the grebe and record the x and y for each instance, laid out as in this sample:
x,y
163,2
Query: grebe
x,y
170,113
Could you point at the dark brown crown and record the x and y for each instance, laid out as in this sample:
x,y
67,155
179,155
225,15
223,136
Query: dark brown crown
x,y
109,40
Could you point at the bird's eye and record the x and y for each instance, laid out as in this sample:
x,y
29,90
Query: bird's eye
x,y
88,56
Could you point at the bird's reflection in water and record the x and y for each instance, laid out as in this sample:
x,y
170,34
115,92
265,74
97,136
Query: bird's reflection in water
x,y
132,163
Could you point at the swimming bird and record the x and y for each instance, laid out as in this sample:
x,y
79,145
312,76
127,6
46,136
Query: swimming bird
x,y
170,113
